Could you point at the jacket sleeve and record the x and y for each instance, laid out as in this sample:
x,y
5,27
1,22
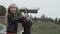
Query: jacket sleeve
x,y
19,19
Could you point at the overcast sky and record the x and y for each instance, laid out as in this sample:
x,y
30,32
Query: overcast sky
x,y
51,8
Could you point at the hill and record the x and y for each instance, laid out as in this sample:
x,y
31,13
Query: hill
x,y
40,27
43,28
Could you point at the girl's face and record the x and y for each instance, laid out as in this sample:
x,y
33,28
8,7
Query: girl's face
x,y
13,8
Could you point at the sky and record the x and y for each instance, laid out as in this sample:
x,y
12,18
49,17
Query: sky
x,y
51,8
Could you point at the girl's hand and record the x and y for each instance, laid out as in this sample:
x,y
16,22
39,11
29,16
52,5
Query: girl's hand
x,y
25,15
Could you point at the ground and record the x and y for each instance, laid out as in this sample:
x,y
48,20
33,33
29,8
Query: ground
x,y
40,27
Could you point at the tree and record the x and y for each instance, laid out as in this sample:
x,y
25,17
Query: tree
x,y
50,19
2,10
19,13
43,17
35,19
31,16
59,21
56,20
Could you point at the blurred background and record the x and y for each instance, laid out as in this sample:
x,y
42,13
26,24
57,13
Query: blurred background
x,y
46,21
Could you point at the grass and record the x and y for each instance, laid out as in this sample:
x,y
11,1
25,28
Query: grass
x,y
1,28
45,28
41,27
1,22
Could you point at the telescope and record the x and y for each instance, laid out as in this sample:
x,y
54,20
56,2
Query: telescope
x,y
29,10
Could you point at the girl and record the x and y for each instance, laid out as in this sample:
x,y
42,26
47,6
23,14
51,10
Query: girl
x,y
13,20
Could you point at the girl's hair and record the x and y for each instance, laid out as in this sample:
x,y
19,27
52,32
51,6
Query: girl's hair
x,y
9,9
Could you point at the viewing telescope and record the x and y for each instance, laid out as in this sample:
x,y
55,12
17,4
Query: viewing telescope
x,y
29,10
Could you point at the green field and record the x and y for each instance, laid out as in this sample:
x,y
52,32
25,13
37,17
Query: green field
x,y
2,21
41,27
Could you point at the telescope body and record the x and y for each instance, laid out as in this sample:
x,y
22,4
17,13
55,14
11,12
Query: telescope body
x,y
29,10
